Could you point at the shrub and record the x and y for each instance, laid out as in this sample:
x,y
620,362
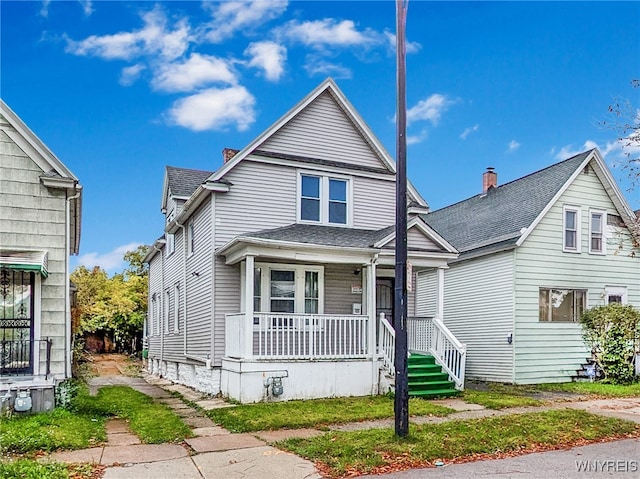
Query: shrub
x,y
612,332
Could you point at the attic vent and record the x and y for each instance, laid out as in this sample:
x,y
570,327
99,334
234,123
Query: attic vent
x,y
586,170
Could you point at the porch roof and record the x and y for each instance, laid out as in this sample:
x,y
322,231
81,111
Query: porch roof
x,y
324,244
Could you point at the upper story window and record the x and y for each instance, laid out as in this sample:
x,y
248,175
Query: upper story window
x,y
571,229
324,199
190,237
171,243
171,215
596,232
167,303
564,305
176,309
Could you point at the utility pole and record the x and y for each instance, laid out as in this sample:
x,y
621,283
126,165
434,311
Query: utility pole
x,y
401,405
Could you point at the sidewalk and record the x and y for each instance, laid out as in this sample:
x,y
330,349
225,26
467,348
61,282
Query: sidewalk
x,y
214,452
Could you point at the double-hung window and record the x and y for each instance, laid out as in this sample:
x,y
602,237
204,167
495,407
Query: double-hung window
x,y
167,304
283,288
190,238
596,232
176,309
571,229
562,305
324,199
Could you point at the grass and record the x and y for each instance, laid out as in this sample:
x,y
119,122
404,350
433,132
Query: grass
x,y
316,413
58,429
594,389
379,450
30,469
499,400
153,423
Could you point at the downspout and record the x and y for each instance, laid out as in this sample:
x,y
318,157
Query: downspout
x,y
160,319
68,340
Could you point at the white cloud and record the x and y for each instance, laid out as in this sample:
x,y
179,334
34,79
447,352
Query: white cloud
x,y
430,109
229,17
512,146
568,151
410,47
269,57
419,138
329,32
87,7
112,260
215,109
468,131
155,38
195,72
131,74
44,9
315,65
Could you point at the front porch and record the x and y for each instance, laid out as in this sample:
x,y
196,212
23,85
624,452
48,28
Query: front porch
x,y
312,315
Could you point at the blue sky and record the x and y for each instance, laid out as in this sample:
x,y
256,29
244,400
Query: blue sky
x,y
118,90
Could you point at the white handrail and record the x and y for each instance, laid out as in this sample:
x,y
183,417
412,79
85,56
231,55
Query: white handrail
x,y
387,346
449,352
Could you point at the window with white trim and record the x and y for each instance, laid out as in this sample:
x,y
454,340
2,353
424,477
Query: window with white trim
x,y
597,237
152,316
615,294
562,305
176,309
190,238
571,229
324,199
283,288
167,303
171,243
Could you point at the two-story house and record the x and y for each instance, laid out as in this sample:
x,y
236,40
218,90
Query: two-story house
x,y
40,211
274,269
534,254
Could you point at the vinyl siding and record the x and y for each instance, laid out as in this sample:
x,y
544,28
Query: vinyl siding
x,y
155,307
198,305
550,352
33,217
338,279
478,309
323,131
173,275
426,293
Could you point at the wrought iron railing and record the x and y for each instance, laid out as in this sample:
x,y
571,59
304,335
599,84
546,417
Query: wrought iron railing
x,y
18,357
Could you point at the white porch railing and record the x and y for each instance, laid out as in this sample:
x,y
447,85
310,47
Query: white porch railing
x,y
387,345
428,336
431,336
297,336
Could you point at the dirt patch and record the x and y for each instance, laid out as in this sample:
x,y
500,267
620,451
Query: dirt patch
x,y
113,364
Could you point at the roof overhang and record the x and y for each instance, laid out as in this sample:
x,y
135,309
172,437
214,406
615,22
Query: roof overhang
x,y
154,249
32,261
196,199
426,230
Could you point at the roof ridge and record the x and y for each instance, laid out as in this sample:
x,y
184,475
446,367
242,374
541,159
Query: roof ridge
x,y
187,169
585,153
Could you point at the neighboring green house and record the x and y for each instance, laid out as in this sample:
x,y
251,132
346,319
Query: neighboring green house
x,y
534,254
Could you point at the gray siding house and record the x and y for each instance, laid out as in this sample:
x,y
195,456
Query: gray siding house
x,y
40,208
274,270
534,254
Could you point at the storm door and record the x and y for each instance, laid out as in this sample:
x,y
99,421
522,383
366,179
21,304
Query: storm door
x,y
16,322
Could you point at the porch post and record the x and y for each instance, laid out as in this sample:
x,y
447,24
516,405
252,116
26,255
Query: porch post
x,y
247,337
440,294
371,313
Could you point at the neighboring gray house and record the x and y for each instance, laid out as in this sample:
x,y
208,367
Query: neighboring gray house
x,y
274,269
40,208
534,254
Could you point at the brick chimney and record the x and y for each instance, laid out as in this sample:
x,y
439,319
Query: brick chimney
x,y
228,153
489,179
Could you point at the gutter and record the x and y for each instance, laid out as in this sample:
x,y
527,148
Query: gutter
x,y
68,340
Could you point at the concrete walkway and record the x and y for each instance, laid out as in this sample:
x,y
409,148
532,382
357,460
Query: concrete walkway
x,y
214,452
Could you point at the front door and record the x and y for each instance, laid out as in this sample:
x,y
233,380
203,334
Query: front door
x,y
384,298
16,322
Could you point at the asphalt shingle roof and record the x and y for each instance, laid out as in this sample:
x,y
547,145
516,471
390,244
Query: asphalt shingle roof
x,y
183,181
323,235
499,216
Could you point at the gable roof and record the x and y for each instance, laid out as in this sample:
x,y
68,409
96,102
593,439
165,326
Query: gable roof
x,y
182,182
505,215
55,173
326,86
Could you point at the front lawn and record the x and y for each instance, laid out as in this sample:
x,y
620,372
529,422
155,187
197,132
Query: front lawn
x,y
316,413
374,451
30,469
596,388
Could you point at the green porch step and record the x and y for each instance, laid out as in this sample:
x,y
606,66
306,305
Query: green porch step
x,y
426,379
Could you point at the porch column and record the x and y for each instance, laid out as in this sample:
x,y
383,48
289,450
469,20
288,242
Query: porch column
x,y
371,313
247,337
440,294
